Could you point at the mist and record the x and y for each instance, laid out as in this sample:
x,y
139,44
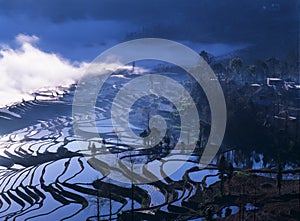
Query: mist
x,y
26,68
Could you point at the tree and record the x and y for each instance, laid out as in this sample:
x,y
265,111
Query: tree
x,y
273,64
265,68
284,68
230,171
236,64
206,56
218,68
279,178
262,68
228,212
251,69
292,61
222,164
222,167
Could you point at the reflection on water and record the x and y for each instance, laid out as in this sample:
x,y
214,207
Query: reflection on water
x,y
45,176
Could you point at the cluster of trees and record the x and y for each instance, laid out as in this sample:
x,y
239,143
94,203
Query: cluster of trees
x,y
246,121
238,69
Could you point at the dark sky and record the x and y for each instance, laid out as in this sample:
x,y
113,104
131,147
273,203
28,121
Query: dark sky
x,y
80,29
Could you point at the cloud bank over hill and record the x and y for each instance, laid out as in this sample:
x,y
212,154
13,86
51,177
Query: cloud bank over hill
x,y
27,68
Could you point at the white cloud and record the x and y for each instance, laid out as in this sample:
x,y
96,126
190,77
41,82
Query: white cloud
x,y
27,68
21,38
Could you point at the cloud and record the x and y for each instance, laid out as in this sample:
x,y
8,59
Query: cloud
x,y
193,19
21,38
27,68
76,40
80,30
